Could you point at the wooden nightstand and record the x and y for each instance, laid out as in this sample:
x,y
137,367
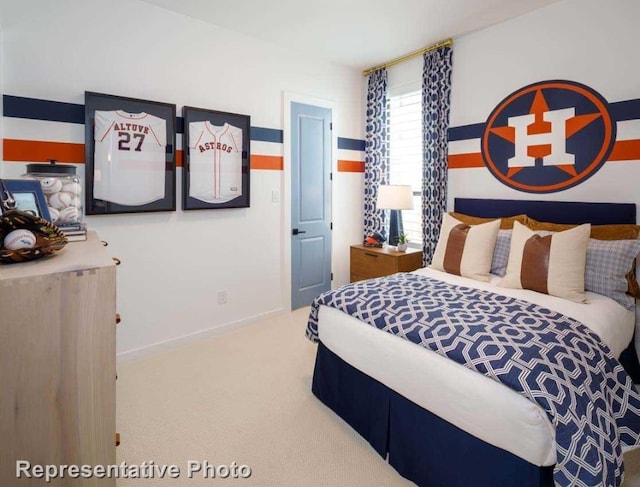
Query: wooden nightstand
x,y
368,262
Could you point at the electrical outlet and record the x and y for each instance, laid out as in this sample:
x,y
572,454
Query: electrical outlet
x,y
222,297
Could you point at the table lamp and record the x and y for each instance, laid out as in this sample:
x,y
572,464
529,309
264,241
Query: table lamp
x,y
395,197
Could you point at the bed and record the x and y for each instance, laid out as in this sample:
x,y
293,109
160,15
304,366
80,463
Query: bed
x,y
437,422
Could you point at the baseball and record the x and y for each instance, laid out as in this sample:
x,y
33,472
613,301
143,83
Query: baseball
x,y
50,185
60,200
72,188
75,201
70,214
54,214
19,239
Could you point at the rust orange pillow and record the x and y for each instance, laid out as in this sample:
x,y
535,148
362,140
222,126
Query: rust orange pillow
x,y
599,232
506,223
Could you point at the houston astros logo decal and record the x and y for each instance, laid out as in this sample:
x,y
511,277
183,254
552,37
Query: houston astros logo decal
x,y
548,136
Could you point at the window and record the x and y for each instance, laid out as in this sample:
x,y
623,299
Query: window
x,y
405,156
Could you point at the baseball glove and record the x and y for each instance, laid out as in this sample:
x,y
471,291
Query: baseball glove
x,y
49,238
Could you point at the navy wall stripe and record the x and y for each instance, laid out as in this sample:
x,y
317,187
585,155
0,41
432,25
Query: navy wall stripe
x,y
465,132
261,134
267,135
351,144
625,110
54,111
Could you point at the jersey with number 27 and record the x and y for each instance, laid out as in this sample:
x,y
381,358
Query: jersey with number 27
x,y
129,158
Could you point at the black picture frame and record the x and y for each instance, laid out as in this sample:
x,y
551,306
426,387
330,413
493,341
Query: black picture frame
x,y
220,178
138,183
28,195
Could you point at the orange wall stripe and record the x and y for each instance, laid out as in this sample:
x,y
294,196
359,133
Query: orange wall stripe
x,y
275,163
41,151
350,166
37,151
257,161
625,150
29,150
461,161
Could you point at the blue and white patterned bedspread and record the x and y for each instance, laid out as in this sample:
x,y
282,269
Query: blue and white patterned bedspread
x,y
551,359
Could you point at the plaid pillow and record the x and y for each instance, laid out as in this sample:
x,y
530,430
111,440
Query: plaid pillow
x,y
608,262
501,253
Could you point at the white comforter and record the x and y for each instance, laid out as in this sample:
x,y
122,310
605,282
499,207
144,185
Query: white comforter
x,y
477,404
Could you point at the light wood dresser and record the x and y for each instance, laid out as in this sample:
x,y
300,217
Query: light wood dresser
x,y
369,262
57,362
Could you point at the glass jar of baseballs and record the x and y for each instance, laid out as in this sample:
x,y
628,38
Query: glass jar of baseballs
x,y
62,189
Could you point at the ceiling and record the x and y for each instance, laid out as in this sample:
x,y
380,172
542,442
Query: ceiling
x,y
354,33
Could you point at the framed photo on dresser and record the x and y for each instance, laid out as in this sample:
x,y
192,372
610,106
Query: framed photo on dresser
x,y
130,155
216,159
28,196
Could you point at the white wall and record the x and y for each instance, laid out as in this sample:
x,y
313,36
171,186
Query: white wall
x,y
174,263
589,41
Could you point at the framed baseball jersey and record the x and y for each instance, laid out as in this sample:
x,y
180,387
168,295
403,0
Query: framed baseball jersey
x,y
128,165
215,156
130,155
216,172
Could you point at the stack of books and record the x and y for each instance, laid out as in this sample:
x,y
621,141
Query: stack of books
x,y
74,231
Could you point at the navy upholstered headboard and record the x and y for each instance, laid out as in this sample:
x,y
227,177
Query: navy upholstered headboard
x,y
549,211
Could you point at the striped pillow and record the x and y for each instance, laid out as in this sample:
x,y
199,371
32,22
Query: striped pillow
x,y
553,264
465,250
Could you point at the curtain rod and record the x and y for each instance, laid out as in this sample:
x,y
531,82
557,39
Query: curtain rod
x,y
413,54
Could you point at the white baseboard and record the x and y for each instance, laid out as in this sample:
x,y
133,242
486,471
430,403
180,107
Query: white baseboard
x,y
196,336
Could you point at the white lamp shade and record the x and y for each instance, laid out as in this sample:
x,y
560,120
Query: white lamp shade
x,y
395,197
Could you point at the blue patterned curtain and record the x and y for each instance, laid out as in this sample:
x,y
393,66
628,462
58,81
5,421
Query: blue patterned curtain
x,y
376,167
436,96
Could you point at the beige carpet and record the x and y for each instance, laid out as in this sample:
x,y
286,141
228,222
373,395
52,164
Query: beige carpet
x,y
245,397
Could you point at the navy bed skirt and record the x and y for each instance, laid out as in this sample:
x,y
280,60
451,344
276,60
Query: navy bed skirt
x,y
421,446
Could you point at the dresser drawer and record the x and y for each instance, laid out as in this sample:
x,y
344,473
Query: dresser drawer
x,y
368,262
372,264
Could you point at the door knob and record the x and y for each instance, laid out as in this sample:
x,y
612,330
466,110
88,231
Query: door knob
x,y
295,231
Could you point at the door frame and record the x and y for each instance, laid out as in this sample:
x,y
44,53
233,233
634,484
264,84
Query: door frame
x,y
287,99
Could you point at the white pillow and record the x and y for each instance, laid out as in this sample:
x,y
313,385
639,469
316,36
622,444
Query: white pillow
x,y
552,264
465,250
